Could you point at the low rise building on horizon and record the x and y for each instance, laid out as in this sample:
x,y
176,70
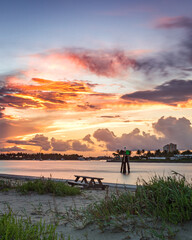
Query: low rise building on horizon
x,y
171,147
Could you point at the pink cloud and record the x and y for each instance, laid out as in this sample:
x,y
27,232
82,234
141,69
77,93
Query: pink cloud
x,y
174,22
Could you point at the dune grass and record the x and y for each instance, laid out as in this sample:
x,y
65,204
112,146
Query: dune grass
x,y
165,198
41,186
168,198
14,228
5,185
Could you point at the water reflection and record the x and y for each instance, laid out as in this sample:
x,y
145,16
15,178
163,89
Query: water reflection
x,y
109,171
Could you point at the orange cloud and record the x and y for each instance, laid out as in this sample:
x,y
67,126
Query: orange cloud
x,y
45,94
71,95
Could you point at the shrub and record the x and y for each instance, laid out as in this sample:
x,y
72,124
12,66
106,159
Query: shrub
x,y
169,198
13,228
5,185
43,186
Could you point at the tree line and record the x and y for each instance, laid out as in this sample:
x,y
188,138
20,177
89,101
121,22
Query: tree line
x,y
159,153
38,156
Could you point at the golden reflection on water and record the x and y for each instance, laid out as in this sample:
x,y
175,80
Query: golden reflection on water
x,y
109,171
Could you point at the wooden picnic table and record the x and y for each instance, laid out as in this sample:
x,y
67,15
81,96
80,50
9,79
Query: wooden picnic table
x,y
88,182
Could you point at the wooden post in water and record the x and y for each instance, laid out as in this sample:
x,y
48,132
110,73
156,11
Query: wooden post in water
x,y
125,162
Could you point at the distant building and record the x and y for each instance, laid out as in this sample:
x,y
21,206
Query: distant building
x,y
171,147
157,158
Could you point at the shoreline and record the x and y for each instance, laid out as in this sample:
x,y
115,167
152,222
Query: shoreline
x,y
130,187
109,161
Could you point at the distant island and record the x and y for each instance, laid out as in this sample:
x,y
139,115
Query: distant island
x,y
157,156
140,156
48,156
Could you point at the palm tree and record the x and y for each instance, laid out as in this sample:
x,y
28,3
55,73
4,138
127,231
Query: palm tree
x,y
143,151
149,154
158,153
138,152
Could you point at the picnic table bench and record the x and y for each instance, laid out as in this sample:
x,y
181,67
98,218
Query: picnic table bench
x,y
88,182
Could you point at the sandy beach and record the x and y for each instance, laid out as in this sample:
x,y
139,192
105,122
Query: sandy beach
x,y
65,212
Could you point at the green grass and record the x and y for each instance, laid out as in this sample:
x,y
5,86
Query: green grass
x,y
13,228
40,186
165,198
112,206
169,198
5,185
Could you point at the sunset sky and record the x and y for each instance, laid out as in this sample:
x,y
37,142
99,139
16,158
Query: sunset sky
x,y
91,77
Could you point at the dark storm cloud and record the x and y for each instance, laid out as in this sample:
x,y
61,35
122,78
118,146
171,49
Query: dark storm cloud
x,y
56,144
18,102
39,140
1,112
20,142
178,59
171,92
101,63
12,149
104,135
116,116
60,145
88,106
78,146
161,64
184,53
133,140
175,22
13,128
87,138
171,129
174,130
114,63
42,141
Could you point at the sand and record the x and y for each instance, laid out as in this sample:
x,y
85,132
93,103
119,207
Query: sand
x,y
61,210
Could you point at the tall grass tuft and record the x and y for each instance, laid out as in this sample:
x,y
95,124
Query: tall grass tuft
x,y
113,205
5,185
13,228
166,198
169,198
42,186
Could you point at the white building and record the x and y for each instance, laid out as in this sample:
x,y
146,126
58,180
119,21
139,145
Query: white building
x,y
171,147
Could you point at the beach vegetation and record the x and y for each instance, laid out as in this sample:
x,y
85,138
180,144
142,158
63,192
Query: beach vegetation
x,y
45,186
40,186
168,198
5,185
162,199
14,228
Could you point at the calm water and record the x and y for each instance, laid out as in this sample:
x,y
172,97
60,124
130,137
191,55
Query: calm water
x,y
109,171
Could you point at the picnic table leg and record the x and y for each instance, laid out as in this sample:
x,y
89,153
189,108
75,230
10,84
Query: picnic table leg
x,y
77,178
101,184
91,182
84,180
